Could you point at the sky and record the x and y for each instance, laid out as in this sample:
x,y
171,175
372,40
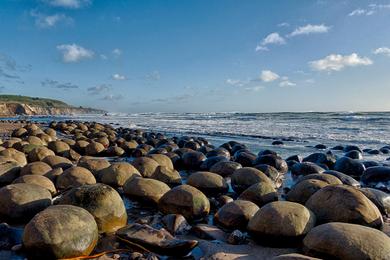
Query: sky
x,y
197,55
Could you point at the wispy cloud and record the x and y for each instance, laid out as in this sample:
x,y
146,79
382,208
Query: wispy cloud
x,y
236,82
337,62
268,76
371,9
153,76
48,21
287,83
284,24
310,29
254,88
56,84
112,97
383,51
117,76
271,39
74,53
70,4
10,70
98,89
116,52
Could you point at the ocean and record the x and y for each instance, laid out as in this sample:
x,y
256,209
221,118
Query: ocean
x,y
299,131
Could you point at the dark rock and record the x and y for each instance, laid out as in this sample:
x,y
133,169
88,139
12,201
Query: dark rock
x,y
236,214
349,166
345,179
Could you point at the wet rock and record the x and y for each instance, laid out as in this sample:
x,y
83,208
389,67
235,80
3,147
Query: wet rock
x,y
58,147
277,143
193,160
38,180
225,168
61,231
303,190
354,155
95,165
320,146
9,237
209,232
236,238
35,168
271,172
56,161
157,241
260,193
115,151
281,223
305,168
176,224
208,182
53,174
275,161
374,152
94,148
294,256
245,177
185,200
321,158
341,203
338,148
118,173
15,155
379,198
9,171
148,190
162,160
39,153
349,148
245,158
328,178
21,201
146,166
349,166
210,161
74,177
345,179
296,158
103,202
373,175
236,214
346,241
166,175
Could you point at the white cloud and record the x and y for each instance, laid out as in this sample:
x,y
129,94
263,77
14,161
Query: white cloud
x,y
382,50
273,38
370,10
284,24
74,52
117,52
310,29
287,83
268,76
47,21
117,76
236,82
255,88
261,48
111,97
71,4
357,12
337,62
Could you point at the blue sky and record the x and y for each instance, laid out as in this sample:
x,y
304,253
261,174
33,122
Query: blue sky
x,y
199,56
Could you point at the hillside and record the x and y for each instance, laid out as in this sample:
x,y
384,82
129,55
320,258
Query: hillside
x,y
11,105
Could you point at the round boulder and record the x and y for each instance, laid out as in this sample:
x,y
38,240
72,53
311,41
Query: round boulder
x,y
225,168
349,167
247,176
35,168
62,231
341,203
347,241
281,223
39,180
103,202
39,153
144,189
208,182
118,173
185,200
236,214
303,190
166,175
74,177
9,171
145,165
260,193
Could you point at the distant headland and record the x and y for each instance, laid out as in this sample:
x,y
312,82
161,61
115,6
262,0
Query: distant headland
x,y
12,105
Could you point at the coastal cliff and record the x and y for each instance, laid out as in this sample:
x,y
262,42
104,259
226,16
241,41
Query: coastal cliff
x,y
20,105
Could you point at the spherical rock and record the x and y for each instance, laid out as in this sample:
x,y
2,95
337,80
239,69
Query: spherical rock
x,y
345,179
166,175
321,158
347,241
118,173
61,231
379,198
341,203
376,174
74,177
247,176
328,178
303,190
21,201
58,147
94,148
145,165
305,168
162,160
260,193
103,202
38,180
35,168
281,223
93,164
225,168
349,166
208,182
272,160
144,189
56,161
185,200
236,214
14,154
271,173
9,171
39,153
192,160
210,161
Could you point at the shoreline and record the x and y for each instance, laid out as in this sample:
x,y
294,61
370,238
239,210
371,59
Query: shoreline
x,y
78,146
